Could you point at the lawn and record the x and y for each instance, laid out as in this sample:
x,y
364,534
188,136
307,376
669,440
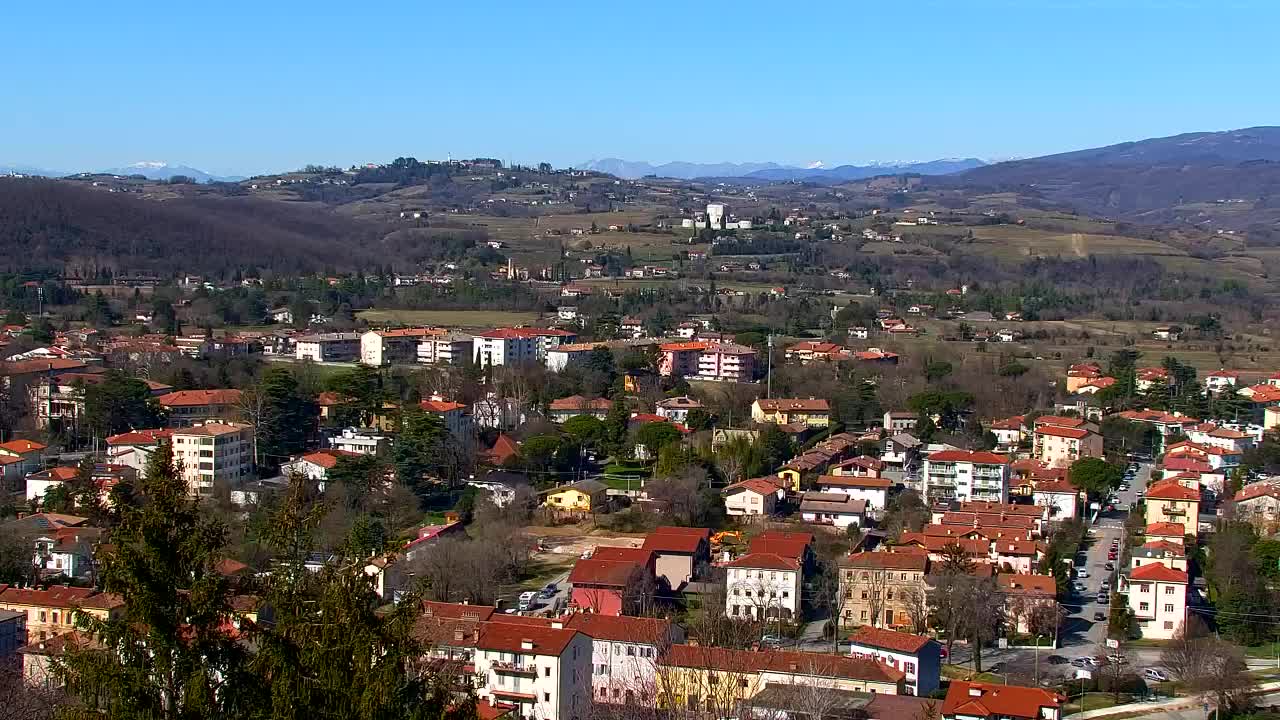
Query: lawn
x,y
448,318
1094,701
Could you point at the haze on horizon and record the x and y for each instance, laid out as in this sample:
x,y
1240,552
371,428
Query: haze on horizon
x,y
242,88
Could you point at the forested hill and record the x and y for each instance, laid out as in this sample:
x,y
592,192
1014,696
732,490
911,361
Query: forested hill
x,y
50,224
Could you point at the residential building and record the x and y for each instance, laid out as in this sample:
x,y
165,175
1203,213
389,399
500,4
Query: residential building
x,y
901,452
678,552
188,407
882,589
361,443
1026,596
214,452
1157,597
785,411
1170,501
133,449
762,586
1008,431
59,402
706,360
13,633
836,509
966,475
52,611
900,422
1259,503
565,356
455,416
39,483
1170,554
582,497
874,491
26,455
677,409
624,654
379,348
1058,495
447,348
753,497
1059,446
991,701
65,551
562,409
600,583
316,465
512,346
1169,426
328,347
1082,374
544,672
1221,381
919,657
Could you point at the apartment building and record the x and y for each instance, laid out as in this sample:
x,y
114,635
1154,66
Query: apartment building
x,y
1059,446
450,348
706,360
53,610
353,441
881,589
214,452
919,657
566,356
762,586
505,346
379,348
1172,501
187,407
624,654
543,672
965,475
1157,597
328,347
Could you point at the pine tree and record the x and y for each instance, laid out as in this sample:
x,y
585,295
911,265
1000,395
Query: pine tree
x,y
169,653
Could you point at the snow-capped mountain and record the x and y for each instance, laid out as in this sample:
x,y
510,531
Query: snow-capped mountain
x,y
160,170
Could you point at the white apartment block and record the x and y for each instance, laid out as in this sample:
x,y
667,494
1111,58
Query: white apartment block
x,y
624,654
214,452
545,672
446,349
1157,597
762,586
328,347
965,475
361,443
505,346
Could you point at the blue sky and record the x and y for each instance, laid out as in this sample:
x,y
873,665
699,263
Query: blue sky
x,y
259,86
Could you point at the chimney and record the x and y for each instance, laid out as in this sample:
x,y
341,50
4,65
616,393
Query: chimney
x,y
526,644
975,691
557,624
457,635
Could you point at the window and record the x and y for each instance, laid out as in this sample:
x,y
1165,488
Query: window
x,y
864,595
909,668
1144,606
864,615
546,697
1168,607
713,679
43,616
546,672
1168,625
1168,589
786,593
631,651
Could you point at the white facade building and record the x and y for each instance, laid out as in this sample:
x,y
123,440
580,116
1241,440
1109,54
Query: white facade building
x,y
214,452
762,586
545,672
965,475
328,347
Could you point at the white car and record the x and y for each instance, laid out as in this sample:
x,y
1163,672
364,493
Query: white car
x,y
1082,573
1155,675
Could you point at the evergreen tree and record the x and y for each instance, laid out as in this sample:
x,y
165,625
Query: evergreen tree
x,y
283,416
423,448
170,653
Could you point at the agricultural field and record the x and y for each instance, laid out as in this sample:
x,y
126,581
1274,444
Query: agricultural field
x,y
471,319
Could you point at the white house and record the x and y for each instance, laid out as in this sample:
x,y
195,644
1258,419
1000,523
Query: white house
x,y
753,497
450,348
544,672
624,654
505,346
919,657
763,585
1059,495
316,465
836,509
1157,597
360,443
966,475
677,409
328,347
873,491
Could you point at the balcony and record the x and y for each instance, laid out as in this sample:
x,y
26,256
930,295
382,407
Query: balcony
x,y
1174,510
516,696
513,668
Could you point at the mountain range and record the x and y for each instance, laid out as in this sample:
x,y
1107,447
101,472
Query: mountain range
x,y
149,170
773,172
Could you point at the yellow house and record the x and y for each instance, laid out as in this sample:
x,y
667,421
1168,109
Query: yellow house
x,y
785,411
583,496
1169,501
53,611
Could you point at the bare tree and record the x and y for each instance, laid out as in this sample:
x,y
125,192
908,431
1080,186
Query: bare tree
x,y
915,601
985,614
1184,656
868,587
1208,665
1113,670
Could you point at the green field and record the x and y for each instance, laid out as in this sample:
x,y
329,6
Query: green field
x,y
448,318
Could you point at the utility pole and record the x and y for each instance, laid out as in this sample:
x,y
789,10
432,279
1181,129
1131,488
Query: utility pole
x,y
768,390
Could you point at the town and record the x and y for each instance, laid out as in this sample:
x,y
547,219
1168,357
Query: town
x,y
594,512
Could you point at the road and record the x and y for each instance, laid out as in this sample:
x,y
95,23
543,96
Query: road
x,y
1198,710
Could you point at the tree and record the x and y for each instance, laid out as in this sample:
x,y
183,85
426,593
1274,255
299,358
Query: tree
x,y
285,417
656,435
424,447
1095,475
168,654
119,403
539,451
363,389
361,478
905,512
936,370
586,430
985,615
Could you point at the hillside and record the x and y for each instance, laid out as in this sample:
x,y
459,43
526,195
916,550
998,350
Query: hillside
x,y
1213,180
57,224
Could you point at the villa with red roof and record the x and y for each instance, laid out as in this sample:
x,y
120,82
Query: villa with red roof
x,y
1060,445
1259,503
1157,597
989,701
678,551
762,585
754,497
188,407
919,657
1174,501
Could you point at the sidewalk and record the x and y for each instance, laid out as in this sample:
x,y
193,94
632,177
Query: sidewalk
x,y
1174,704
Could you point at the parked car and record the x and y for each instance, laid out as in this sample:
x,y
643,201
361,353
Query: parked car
x,y
1155,675
1079,587
527,600
772,640
1104,599
1110,566
1082,573
1099,615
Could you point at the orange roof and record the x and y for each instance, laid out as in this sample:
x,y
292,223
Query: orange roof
x,y
1166,546
765,561
1157,572
1257,490
683,346
330,399
887,561
676,542
853,481
760,486
1029,584
969,456
192,398
1057,431
1015,547
328,457
151,436
504,637
59,596
1055,485
578,402
23,367
609,573
800,663
59,474
615,628
988,700
1171,490
504,448
1166,529
889,639
800,404
440,406
22,447
794,548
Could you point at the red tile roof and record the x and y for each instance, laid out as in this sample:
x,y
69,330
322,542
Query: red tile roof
x,y
578,402
1028,584
504,448
1257,490
504,637
151,436
889,639
793,548
853,481
328,458
1166,529
1185,463
799,404
760,486
59,596
1157,572
988,700
765,561
676,542
193,398
440,406
652,631
24,446
605,573
982,458
1171,490
639,556
887,561
1066,432
800,663
1166,546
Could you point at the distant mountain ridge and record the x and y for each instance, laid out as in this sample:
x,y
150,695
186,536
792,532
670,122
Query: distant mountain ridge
x,y
165,171
773,172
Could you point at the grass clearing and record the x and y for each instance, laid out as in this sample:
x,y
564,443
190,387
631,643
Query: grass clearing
x,y
448,318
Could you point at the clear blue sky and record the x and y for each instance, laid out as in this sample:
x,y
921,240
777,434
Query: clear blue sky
x,y
272,84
